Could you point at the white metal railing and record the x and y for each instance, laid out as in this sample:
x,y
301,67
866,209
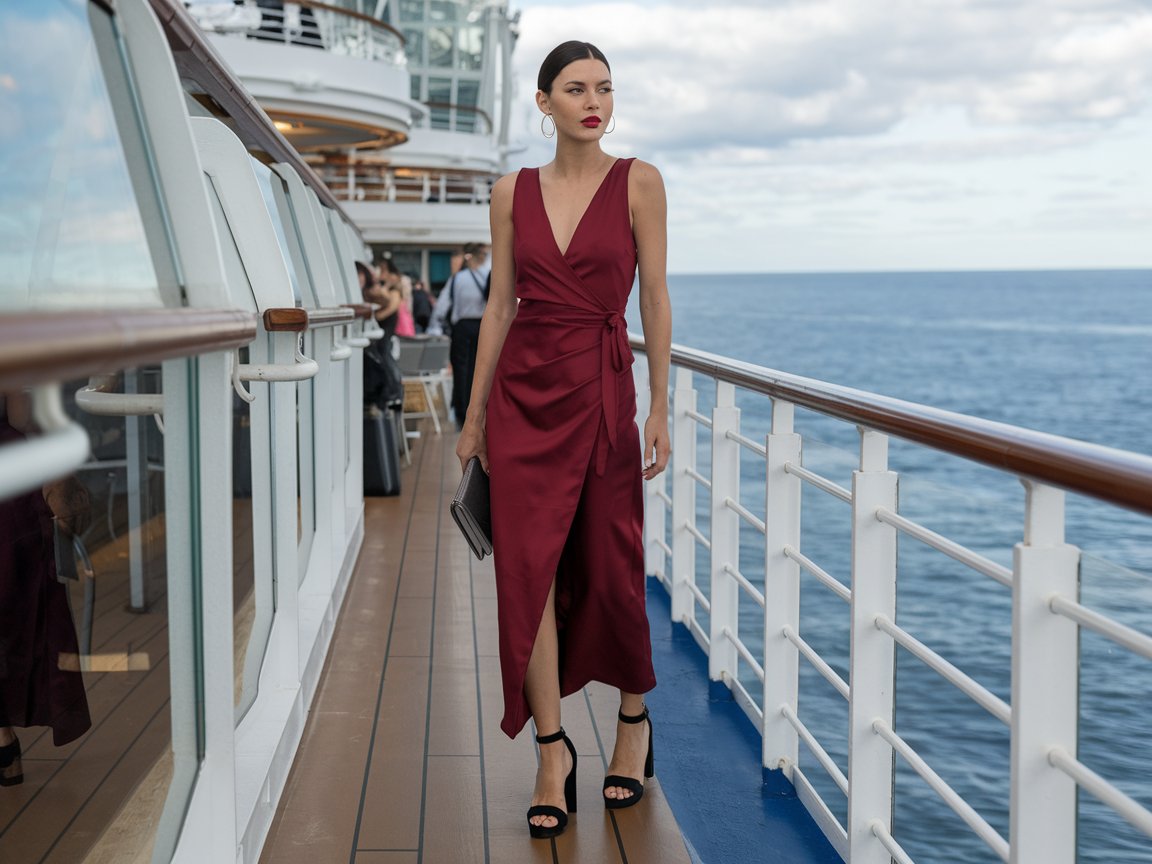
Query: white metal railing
x,y
309,24
366,182
1043,713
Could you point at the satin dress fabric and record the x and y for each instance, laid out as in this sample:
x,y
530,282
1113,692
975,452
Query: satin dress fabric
x,y
564,452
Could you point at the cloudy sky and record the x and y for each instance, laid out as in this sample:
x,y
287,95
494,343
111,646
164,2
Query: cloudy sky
x,y
809,135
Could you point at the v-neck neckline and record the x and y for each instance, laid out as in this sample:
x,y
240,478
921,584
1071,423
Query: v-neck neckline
x,y
576,230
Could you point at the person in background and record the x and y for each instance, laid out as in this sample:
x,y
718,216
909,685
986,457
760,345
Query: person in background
x,y
405,323
40,679
461,305
422,305
382,384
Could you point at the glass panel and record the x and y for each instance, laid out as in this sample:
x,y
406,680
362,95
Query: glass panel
x,y
251,619
414,89
71,232
439,268
443,10
84,643
470,48
411,10
414,46
467,93
440,92
243,564
305,462
265,179
440,47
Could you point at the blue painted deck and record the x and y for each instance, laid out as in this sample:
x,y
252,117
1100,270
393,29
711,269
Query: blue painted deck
x,y
708,762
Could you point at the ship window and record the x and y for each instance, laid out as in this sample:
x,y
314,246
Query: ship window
x,y
439,97
442,10
467,94
470,48
73,210
414,89
411,10
440,46
414,45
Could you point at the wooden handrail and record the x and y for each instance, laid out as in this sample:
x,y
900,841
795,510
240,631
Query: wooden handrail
x,y
1116,476
361,310
199,61
289,319
42,347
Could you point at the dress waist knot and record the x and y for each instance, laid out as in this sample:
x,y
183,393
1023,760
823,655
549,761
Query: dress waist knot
x,y
615,357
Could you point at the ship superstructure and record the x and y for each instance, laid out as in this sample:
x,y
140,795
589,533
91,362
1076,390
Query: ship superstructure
x,y
402,108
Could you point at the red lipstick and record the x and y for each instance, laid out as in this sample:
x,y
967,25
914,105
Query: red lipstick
x,y
591,121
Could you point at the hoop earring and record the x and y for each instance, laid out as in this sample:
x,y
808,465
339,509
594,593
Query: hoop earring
x,y
543,130
612,124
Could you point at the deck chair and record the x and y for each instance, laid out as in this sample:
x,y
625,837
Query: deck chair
x,y
423,361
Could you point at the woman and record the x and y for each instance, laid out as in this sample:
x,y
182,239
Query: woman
x,y
382,377
552,419
40,679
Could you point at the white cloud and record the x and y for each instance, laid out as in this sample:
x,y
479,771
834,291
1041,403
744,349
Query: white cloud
x,y
841,134
763,75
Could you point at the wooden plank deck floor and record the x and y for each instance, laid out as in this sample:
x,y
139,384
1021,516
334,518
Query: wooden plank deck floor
x,y
402,760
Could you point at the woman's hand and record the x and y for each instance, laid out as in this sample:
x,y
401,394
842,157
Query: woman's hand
x,y
657,446
473,441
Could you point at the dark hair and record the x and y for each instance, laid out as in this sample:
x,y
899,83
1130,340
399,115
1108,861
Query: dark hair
x,y
369,276
387,264
561,56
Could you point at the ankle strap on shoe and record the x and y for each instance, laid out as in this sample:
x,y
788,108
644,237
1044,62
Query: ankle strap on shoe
x,y
551,739
638,718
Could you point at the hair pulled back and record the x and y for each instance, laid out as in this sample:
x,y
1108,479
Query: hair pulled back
x,y
561,56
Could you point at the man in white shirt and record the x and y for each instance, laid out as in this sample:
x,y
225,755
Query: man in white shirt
x,y
462,303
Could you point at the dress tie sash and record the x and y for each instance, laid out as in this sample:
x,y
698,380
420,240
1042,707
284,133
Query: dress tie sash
x,y
613,360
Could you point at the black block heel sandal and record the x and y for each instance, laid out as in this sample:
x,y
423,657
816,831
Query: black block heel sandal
x,y
633,786
542,832
11,767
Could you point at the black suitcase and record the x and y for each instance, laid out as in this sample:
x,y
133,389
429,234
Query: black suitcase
x,y
381,456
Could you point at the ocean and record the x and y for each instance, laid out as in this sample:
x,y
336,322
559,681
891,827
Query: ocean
x,y
1066,352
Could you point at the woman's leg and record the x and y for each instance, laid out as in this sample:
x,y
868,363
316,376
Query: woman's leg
x,y
542,689
631,745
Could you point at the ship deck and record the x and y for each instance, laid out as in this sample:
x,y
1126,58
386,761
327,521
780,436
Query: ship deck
x,y
403,760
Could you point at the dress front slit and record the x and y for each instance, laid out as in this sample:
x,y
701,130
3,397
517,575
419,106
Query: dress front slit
x,y
564,452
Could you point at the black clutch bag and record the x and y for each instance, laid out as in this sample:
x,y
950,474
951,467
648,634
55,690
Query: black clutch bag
x,y
472,510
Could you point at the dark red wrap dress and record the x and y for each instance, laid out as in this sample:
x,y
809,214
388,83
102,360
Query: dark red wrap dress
x,y
564,452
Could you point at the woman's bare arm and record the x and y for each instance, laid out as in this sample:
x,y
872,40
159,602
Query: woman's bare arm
x,y
498,317
649,226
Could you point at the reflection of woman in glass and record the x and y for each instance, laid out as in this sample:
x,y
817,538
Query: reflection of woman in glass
x,y
40,680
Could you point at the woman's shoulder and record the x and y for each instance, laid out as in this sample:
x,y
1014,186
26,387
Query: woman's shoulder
x,y
504,189
644,174
645,185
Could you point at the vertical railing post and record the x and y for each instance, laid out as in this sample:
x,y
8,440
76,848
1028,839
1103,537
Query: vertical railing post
x,y
722,654
1045,685
683,498
872,665
781,591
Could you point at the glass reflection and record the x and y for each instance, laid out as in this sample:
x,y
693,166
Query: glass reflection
x,y
70,219
85,727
